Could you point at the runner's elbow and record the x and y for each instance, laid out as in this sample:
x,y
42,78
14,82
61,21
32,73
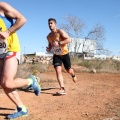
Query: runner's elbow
x,y
24,20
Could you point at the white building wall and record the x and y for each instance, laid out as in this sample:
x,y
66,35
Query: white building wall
x,y
89,45
43,54
39,54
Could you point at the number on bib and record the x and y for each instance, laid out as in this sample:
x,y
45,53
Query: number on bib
x,y
3,46
57,50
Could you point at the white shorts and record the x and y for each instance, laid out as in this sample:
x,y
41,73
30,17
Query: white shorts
x,y
9,55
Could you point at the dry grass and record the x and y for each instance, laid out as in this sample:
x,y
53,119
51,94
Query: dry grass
x,y
109,66
26,69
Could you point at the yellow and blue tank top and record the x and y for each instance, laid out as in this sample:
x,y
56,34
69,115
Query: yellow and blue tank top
x,y
57,37
13,41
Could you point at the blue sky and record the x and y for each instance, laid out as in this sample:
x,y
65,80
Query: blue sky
x,y
33,34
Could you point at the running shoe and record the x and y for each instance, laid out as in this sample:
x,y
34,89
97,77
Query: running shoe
x,y
35,85
18,113
74,79
61,92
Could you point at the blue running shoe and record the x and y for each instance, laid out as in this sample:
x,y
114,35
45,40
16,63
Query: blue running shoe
x,y
18,113
35,86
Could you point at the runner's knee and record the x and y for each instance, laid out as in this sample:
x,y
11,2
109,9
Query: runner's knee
x,y
69,70
58,69
7,85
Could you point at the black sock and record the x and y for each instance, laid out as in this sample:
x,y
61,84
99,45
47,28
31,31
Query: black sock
x,y
63,88
73,76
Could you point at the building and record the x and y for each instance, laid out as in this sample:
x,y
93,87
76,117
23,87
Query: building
x,y
78,45
43,54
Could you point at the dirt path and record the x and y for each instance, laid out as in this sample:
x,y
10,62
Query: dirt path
x,y
93,97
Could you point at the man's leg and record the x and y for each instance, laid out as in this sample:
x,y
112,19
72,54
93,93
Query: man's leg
x,y
10,72
58,70
67,65
9,84
59,75
71,72
11,94
57,62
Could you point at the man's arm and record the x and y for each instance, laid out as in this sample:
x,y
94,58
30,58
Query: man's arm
x,y
49,46
14,14
64,35
10,12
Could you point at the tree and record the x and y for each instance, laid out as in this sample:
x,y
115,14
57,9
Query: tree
x,y
97,37
74,28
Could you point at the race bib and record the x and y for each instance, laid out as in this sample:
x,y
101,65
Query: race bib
x,y
3,46
57,50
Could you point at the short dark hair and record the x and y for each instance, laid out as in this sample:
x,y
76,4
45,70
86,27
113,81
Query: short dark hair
x,y
52,19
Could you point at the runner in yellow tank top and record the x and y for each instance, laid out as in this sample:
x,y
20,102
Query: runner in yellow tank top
x,y
9,57
57,41
12,40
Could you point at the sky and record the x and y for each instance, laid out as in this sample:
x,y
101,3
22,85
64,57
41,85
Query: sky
x,y
33,34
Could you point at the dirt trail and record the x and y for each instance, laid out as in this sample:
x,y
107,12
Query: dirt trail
x,y
93,97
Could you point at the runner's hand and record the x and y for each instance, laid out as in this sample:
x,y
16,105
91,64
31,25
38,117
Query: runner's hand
x,y
47,49
4,35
